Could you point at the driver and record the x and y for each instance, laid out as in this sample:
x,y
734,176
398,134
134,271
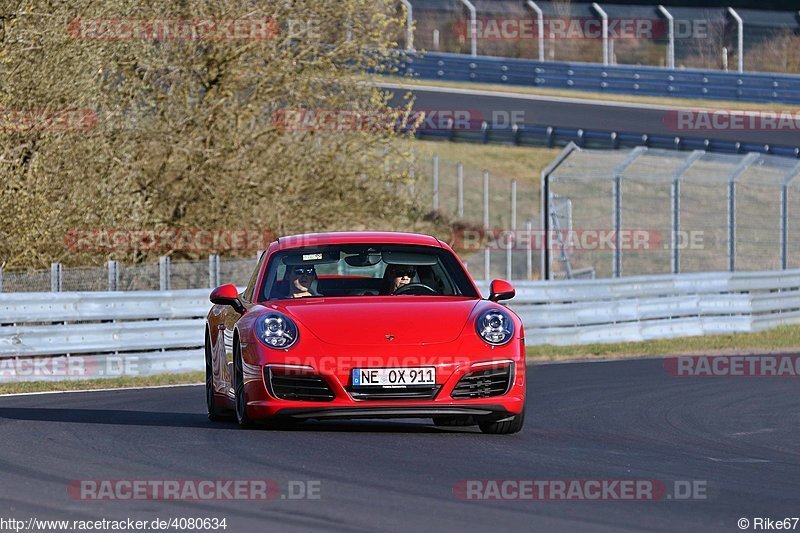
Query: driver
x,y
397,276
303,282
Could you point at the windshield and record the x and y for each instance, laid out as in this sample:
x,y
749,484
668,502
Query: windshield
x,y
365,270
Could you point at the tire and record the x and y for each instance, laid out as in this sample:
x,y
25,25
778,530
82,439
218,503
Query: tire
x,y
454,421
211,404
506,427
243,420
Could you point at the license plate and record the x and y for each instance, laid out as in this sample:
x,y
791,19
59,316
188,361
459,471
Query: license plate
x,y
394,377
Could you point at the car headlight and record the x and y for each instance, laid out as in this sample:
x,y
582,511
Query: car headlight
x,y
276,331
495,327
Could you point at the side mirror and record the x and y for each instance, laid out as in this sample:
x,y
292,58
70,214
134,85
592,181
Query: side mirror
x,y
227,295
501,290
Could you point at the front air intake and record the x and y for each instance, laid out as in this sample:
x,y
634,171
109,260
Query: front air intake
x,y
491,381
297,386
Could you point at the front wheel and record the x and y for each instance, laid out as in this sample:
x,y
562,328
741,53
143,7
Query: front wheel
x,y
241,395
504,427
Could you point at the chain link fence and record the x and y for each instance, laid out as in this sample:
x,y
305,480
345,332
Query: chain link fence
x,y
650,211
164,275
702,37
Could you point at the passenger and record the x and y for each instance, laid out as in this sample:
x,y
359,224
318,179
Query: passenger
x,y
303,282
397,276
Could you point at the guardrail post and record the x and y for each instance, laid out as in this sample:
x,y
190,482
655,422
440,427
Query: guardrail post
x,y
113,275
213,271
435,182
460,172
56,278
487,257
164,272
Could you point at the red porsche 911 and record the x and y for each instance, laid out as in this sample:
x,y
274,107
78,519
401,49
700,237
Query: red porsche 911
x,y
365,325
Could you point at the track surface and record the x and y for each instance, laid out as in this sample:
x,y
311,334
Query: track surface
x,y
587,114
620,420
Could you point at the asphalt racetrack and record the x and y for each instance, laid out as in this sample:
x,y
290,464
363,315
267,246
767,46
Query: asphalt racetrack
x,y
737,437
587,114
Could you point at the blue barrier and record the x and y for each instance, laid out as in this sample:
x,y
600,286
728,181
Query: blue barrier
x,y
649,81
549,136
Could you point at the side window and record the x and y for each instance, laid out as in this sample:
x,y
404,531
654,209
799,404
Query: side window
x,y
248,292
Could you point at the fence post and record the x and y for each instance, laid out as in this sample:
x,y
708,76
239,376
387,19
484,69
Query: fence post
x,y
671,36
619,170
113,275
435,182
604,17
55,277
487,253
675,193
409,25
740,169
784,227
787,180
163,272
213,271
540,27
509,253
460,171
529,251
1,279
739,39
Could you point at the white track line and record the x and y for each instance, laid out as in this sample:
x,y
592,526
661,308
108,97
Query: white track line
x,y
521,96
102,390
535,363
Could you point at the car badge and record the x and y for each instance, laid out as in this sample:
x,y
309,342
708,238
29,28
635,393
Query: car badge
x,y
389,337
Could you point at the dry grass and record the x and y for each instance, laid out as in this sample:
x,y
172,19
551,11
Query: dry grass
x,y
781,339
93,384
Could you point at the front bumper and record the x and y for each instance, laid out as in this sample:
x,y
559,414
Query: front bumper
x,y
262,402
489,411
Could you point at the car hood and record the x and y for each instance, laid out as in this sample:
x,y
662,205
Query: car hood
x,y
369,320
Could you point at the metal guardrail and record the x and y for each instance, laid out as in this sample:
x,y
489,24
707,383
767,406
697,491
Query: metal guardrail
x,y
551,137
650,81
158,331
655,307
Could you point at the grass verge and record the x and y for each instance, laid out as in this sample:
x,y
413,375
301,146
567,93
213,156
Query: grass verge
x,y
113,383
684,103
780,339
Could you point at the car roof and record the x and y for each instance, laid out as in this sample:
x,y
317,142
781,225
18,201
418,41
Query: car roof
x,y
356,237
